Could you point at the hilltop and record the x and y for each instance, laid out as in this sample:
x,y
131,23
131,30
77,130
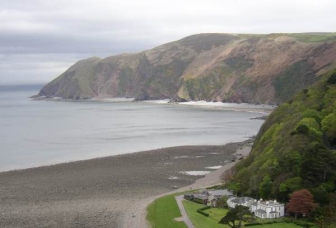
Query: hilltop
x,y
214,67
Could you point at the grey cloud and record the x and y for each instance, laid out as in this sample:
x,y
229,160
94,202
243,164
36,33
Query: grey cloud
x,y
38,36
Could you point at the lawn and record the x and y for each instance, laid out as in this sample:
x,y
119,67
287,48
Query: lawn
x,y
161,213
277,225
201,221
215,214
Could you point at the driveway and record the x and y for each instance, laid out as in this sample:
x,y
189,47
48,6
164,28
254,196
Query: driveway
x,y
183,211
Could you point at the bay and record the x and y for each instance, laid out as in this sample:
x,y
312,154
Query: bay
x,y
37,133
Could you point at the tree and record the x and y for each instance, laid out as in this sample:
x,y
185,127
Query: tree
x,y
325,217
332,79
329,127
223,201
265,188
301,202
238,214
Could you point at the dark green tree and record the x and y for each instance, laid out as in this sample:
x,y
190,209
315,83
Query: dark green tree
x,y
236,216
329,127
265,188
332,79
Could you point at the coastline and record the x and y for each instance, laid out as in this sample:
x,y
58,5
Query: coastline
x,y
264,109
101,192
136,216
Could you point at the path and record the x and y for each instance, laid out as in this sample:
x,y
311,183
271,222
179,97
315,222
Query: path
x,y
184,214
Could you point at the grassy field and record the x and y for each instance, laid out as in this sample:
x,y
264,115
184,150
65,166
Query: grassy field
x,y
161,213
215,214
278,225
200,221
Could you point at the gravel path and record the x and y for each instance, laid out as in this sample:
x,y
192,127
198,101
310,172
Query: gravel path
x,y
184,214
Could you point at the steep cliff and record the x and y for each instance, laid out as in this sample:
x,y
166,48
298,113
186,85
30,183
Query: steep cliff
x,y
214,67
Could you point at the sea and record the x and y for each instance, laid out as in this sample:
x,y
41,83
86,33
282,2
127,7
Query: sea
x,y
39,132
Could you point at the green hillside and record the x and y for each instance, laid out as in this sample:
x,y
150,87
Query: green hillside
x,y
295,148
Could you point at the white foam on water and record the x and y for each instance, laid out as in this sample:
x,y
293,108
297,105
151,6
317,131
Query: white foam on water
x,y
195,173
214,167
173,178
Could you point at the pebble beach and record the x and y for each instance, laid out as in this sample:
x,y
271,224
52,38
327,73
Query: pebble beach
x,y
103,192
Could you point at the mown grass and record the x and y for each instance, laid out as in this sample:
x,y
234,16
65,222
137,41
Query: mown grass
x,y
277,225
201,221
215,214
161,213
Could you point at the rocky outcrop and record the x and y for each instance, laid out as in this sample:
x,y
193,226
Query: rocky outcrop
x,y
214,67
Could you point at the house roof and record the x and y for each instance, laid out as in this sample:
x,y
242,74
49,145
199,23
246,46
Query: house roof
x,y
270,203
188,194
220,193
199,196
260,211
241,200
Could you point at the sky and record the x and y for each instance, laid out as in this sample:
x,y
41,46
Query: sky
x,y
40,39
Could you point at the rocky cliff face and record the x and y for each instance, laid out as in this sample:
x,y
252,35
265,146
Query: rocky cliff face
x,y
213,67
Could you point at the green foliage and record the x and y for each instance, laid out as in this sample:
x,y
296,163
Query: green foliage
x,y
202,212
235,217
266,187
294,149
329,127
201,221
332,79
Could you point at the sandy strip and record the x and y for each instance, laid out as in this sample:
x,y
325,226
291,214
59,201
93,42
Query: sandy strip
x,y
105,192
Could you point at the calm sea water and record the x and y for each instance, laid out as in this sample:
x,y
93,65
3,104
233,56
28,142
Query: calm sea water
x,y
35,133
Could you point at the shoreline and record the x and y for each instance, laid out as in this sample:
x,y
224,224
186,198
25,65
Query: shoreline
x,y
136,217
265,109
100,192
251,138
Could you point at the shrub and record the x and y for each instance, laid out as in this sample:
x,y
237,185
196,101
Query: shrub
x,y
201,211
332,79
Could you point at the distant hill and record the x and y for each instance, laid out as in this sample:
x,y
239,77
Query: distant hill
x,y
214,67
295,148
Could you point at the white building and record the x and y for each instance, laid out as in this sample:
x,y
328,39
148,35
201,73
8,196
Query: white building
x,y
268,209
261,209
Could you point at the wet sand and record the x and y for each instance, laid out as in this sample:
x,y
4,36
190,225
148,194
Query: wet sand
x,y
104,192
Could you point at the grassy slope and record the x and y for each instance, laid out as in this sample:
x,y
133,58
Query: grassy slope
x,y
161,213
200,221
278,225
215,214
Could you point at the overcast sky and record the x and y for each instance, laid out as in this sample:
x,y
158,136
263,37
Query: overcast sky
x,y
40,39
